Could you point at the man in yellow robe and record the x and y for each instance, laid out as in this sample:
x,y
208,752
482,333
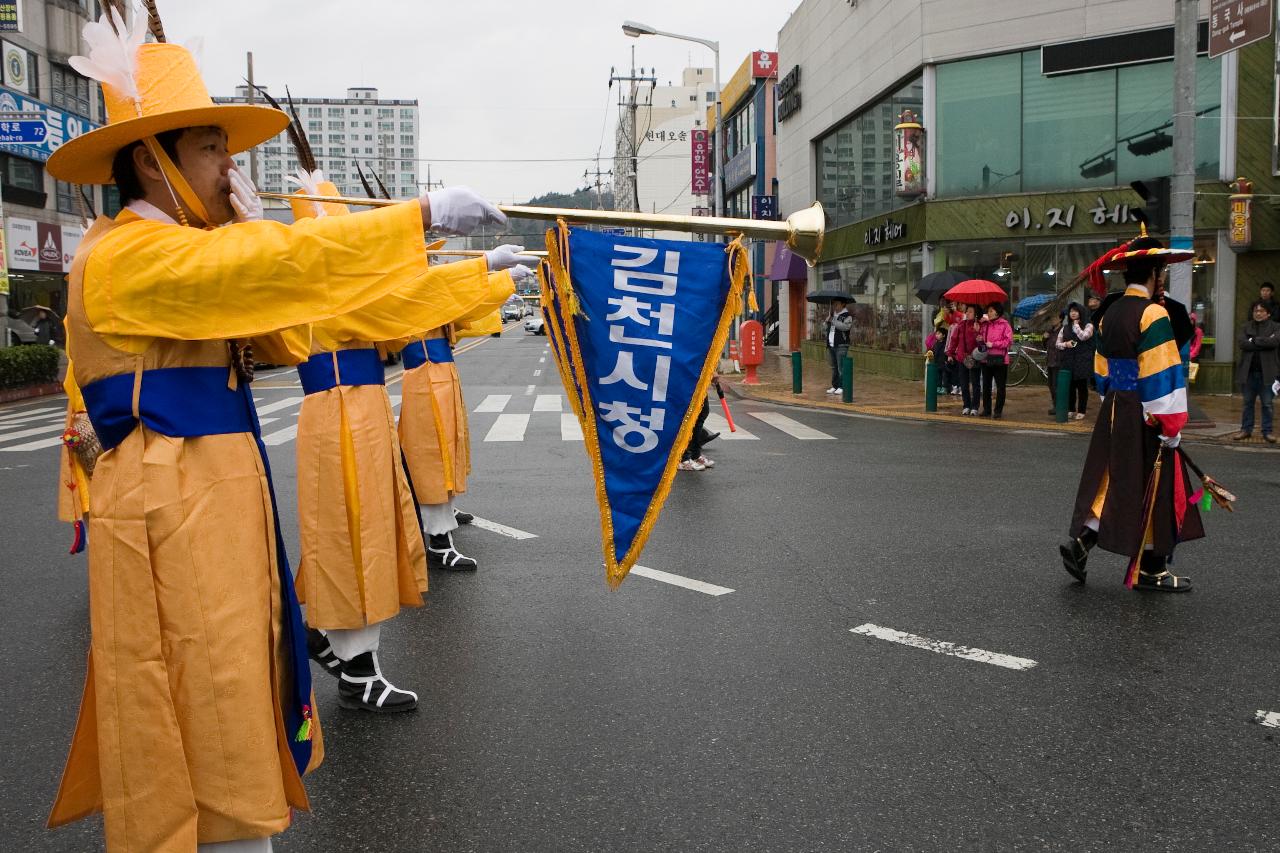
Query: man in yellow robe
x,y
434,433
196,722
363,555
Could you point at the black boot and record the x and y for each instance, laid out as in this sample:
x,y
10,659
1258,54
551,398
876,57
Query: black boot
x,y
463,517
1075,553
321,652
1154,575
706,436
442,555
361,687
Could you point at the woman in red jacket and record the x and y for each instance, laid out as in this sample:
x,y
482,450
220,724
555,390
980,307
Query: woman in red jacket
x,y
996,335
960,345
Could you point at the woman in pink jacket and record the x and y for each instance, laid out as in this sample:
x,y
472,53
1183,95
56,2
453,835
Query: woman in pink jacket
x,y
997,335
960,345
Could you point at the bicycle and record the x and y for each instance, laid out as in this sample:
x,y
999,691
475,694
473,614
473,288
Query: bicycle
x,y
1022,358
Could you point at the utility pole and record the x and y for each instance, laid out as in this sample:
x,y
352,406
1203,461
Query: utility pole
x,y
587,175
253,152
1182,193
430,184
629,123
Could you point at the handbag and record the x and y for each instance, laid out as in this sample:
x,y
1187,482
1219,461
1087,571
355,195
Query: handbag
x,y
980,354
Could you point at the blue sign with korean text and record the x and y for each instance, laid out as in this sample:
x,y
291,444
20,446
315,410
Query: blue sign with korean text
x,y
645,327
59,126
24,132
764,207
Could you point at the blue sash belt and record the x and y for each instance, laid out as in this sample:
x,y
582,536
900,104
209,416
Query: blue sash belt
x,y
187,402
1122,374
433,350
355,367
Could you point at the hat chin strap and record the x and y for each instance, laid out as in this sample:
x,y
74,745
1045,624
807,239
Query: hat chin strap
x,y
175,181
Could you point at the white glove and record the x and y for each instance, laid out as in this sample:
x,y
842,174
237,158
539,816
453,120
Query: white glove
x,y
508,256
1171,441
244,198
520,272
459,210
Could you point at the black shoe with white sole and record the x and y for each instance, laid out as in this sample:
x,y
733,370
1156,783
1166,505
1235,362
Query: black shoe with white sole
x,y
442,555
322,653
362,687
463,517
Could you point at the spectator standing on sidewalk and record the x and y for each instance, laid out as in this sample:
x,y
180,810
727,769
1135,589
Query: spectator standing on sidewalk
x,y
996,335
1053,360
1259,367
1075,347
1267,296
839,322
960,346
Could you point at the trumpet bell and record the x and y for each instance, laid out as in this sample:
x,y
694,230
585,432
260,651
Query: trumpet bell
x,y
807,229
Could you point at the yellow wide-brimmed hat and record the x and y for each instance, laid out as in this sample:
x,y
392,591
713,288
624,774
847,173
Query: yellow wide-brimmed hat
x,y
171,95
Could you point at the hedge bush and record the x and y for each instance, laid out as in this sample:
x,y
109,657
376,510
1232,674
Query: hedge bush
x,y
31,364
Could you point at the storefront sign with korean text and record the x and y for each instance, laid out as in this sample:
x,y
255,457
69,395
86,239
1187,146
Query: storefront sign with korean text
x,y
11,16
764,64
885,232
701,163
1240,216
1101,213
740,168
764,207
788,94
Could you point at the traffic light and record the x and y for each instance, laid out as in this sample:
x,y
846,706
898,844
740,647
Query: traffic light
x,y
1155,200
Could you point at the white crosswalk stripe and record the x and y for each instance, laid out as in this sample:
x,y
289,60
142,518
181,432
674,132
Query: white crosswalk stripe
x,y
493,403
570,429
41,428
508,428
717,423
791,427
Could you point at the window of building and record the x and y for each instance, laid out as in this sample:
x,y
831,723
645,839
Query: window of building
x,y
21,173
65,194
111,200
1003,127
70,91
336,125
406,139
385,112
314,112
406,152
856,179
386,125
886,311
406,126
335,112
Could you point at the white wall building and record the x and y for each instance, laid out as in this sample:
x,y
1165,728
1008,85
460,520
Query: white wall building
x,y
360,128
665,118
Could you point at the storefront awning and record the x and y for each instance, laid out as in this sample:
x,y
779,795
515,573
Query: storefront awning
x,y
787,265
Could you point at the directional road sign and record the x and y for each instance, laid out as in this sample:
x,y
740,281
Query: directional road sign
x,y
23,132
1235,23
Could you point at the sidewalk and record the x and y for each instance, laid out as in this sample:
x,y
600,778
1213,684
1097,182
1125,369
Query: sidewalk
x,y
1026,406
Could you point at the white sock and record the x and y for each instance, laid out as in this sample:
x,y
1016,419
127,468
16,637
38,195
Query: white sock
x,y
350,643
438,518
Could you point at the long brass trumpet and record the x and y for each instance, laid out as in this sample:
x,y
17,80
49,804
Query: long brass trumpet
x,y
803,231
475,253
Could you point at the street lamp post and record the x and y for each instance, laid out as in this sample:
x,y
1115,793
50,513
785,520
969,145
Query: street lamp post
x,y
635,30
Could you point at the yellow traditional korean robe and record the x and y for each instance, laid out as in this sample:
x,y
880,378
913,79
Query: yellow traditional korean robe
x,y
433,416
362,551
180,738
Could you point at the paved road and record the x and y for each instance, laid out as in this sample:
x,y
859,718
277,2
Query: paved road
x,y
748,714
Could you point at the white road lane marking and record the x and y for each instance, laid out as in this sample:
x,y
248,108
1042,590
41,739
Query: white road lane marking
x,y
493,403
32,415
537,373
395,400
943,648
278,405
680,581
542,360
508,428
502,529
570,429
529,390
27,433
40,444
281,436
717,423
1270,719
791,427
547,403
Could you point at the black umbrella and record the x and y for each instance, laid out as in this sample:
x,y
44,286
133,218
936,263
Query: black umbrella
x,y
824,296
930,288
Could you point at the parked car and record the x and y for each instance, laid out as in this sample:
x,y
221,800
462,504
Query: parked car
x,y
20,333
534,326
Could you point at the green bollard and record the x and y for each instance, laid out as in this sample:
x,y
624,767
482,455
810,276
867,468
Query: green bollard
x,y
797,373
846,379
930,386
1060,400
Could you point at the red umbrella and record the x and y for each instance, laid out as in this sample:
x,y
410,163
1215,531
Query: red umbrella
x,y
976,291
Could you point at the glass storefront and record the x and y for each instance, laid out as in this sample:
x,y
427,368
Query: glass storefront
x,y
856,161
886,311
1003,127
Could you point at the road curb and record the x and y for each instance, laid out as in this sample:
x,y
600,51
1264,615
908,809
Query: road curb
x,y
741,392
13,395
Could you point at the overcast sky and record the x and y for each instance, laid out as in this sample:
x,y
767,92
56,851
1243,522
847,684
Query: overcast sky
x,y
497,82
